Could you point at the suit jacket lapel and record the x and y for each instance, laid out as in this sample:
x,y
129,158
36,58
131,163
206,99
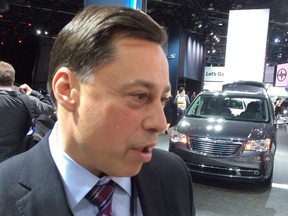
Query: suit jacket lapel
x,y
45,192
149,191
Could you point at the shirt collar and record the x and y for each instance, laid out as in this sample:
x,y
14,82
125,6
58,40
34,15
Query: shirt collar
x,y
83,180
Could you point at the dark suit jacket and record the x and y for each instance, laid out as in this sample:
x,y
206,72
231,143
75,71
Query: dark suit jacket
x,y
17,120
30,185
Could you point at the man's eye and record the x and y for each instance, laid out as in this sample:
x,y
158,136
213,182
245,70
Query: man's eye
x,y
141,97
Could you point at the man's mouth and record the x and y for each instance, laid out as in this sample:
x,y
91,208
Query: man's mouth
x,y
144,154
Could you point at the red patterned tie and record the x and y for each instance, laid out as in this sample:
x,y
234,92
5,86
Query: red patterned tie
x,y
101,196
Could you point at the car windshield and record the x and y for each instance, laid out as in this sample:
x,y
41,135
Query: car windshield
x,y
230,107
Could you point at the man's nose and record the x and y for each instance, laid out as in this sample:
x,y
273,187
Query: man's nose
x,y
156,120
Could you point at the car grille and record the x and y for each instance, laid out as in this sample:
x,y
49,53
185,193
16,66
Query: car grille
x,y
215,147
224,171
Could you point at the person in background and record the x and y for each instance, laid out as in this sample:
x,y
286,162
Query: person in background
x,y
284,103
15,118
188,93
278,106
193,96
168,111
103,142
182,102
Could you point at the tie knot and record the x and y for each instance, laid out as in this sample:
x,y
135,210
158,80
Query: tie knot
x,y
101,196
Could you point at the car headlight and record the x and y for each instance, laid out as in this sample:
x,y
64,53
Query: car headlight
x,y
177,137
258,145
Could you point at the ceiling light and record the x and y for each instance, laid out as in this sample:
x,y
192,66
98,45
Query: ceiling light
x,y
211,7
277,40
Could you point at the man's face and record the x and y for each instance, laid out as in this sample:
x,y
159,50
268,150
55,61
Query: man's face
x,y
120,112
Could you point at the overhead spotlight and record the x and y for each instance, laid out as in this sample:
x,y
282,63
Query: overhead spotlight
x,y
38,32
219,23
46,32
198,23
211,7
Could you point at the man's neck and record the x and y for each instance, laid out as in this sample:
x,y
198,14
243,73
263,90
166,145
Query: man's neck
x,y
6,87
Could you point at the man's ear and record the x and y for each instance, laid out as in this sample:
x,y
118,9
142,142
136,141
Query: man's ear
x,y
66,89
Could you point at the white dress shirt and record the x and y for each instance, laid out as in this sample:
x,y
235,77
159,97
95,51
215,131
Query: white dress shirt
x,y
78,182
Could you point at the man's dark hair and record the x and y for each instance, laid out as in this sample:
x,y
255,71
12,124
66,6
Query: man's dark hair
x,y
7,74
86,43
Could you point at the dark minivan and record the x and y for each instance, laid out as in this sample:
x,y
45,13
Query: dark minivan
x,y
229,134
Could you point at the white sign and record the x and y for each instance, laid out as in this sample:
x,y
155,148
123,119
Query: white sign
x,y
281,76
212,86
214,74
246,44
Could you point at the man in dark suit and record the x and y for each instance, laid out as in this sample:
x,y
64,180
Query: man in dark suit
x,y
15,118
108,77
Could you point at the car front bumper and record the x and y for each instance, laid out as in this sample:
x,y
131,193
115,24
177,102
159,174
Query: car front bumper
x,y
245,166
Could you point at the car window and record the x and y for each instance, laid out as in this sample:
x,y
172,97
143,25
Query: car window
x,y
230,107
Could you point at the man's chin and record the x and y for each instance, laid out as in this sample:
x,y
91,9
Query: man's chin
x,y
128,173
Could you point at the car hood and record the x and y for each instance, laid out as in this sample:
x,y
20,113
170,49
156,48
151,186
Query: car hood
x,y
223,129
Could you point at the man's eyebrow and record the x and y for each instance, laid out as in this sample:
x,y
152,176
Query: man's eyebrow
x,y
145,84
